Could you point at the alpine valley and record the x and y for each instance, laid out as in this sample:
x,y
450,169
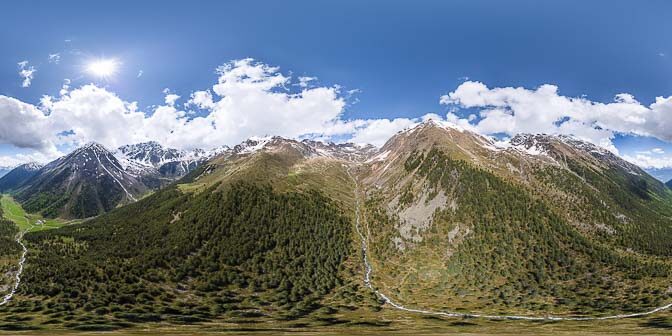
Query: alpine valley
x,y
440,227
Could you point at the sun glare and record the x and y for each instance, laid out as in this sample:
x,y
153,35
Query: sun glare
x,y
103,68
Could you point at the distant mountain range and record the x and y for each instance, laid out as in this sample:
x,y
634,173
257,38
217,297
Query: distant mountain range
x,y
92,180
285,232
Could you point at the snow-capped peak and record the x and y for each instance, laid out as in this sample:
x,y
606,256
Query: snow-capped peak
x,y
153,154
32,166
429,123
252,144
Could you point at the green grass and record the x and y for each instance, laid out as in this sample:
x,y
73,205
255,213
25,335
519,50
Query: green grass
x,y
25,221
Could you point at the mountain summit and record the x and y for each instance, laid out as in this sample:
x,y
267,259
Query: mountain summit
x,y
85,183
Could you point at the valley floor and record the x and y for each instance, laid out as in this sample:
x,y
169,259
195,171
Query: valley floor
x,y
32,222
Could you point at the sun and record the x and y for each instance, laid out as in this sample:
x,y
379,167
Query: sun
x,y
103,68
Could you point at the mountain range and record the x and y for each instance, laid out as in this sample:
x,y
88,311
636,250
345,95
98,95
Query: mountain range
x,y
93,180
303,233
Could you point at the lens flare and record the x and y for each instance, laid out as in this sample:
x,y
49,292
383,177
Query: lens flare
x,y
103,68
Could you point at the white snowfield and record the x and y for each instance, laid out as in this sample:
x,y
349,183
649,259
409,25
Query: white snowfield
x,y
368,270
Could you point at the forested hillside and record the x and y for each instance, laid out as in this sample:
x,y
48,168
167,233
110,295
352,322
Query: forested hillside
x,y
543,225
242,250
497,247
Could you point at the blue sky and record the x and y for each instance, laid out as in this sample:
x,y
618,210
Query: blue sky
x,y
400,56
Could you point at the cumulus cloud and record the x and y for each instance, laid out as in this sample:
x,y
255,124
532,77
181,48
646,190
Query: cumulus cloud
x,y
654,158
23,125
202,99
248,99
377,131
650,160
512,110
27,72
171,98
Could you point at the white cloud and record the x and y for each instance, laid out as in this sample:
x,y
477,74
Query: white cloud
x,y
652,151
21,158
652,158
647,160
202,99
377,131
139,74
248,99
304,81
65,88
55,58
512,110
23,125
27,73
255,99
171,98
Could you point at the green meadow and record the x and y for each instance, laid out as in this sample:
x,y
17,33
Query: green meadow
x,y
31,222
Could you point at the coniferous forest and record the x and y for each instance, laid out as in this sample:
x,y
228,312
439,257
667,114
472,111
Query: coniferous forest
x,y
242,250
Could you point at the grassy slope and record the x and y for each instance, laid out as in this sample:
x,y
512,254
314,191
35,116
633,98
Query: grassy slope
x,y
14,212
